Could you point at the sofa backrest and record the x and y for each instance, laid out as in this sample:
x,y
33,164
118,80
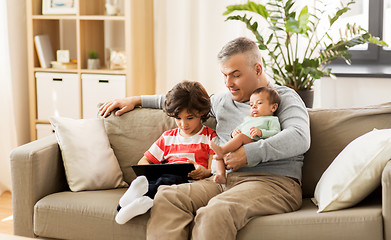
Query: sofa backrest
x,y
331,130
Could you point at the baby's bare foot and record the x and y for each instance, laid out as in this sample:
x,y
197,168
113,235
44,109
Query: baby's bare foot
x,y
220,178
218,150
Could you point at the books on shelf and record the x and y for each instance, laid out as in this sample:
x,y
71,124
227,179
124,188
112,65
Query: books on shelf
x,y
44,50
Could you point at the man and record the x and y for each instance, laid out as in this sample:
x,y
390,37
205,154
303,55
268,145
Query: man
x,y
266,174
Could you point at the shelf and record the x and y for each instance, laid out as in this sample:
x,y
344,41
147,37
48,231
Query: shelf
x,y
103,71
55,70
90,28
102,17
96,71
54,17
42,122
74,17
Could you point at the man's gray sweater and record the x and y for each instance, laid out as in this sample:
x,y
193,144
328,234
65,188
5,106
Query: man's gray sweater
x,y
281,154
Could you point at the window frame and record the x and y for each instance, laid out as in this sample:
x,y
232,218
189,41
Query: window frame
x,y
374,55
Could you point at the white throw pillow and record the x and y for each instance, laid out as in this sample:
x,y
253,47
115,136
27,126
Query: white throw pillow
x,y
89,161
355,172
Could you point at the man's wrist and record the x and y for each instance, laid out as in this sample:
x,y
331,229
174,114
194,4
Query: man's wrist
x,y
136,100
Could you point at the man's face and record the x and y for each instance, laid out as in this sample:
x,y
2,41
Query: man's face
x,y
240,79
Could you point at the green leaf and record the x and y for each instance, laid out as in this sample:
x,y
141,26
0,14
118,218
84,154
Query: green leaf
x,y
292,25
340,12
303,20
270,39
249,6
288,5
274,28
251,27
377,41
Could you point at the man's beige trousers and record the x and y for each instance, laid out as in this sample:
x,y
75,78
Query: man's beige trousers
x,y
206,210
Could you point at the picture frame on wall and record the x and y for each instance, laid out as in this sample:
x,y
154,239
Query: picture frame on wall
x,y
59,6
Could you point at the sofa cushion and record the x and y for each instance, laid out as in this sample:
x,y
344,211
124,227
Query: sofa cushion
x,y
355,172
362,222
332,130
85,215
130,138
89,161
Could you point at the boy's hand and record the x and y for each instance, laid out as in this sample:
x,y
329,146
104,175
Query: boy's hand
x,y
255,132
235,132
199,172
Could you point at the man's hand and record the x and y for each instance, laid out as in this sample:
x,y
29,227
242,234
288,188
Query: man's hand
x,y
255,132
199,172
124,105
235,160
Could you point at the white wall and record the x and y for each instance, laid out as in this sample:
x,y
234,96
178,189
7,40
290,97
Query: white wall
x,y
345,92
14,123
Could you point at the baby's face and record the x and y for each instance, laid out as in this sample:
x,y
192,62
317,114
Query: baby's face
x,y
260,105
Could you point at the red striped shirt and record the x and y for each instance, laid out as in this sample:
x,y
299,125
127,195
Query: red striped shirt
x,y
171,147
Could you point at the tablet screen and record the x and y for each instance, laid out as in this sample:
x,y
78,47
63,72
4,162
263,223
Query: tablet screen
x,y
154,171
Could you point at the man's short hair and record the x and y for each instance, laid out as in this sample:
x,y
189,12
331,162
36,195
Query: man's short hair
x,y
188,95
241,45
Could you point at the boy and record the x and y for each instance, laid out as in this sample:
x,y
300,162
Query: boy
x,y
189,103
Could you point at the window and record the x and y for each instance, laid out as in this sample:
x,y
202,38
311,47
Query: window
x,y
374,16
386,23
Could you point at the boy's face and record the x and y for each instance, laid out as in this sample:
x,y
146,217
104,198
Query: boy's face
x,y
261,106
188,123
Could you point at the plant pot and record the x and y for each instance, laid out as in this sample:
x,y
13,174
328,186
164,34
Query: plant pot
x,y
93,64
307,96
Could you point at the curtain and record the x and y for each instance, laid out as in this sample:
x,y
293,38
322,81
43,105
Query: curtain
x,y
14,123
188,36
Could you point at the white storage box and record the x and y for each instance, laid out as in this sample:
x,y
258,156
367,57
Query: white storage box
x,y
44,130
58,94
99,88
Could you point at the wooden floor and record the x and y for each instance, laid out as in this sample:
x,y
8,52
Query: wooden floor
x,y
6,226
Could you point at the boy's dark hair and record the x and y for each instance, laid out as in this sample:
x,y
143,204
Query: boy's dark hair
x,y
188,95
274,97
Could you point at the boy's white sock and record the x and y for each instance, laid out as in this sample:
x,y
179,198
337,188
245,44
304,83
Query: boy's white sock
x,y
138,206
138,188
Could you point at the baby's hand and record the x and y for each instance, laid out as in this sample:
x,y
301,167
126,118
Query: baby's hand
x,y
235,132
255,132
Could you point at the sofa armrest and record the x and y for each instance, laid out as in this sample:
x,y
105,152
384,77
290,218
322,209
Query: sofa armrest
x,y
386,200
37,171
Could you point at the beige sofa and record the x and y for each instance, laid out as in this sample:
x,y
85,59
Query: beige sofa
x,y
44,207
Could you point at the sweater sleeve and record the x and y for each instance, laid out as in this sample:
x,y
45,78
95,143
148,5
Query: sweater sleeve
x,y
152,101
293,140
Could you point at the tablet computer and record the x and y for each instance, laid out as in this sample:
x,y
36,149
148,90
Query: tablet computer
x,y
154,171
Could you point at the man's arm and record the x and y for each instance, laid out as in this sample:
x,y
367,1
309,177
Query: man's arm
x,y
129,103
152,101
292,141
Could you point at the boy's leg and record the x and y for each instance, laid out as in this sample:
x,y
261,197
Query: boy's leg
x,y
137,188
139,206
247,195
175,206
165,179
231,146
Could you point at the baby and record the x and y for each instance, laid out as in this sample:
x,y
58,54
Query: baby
x,y
261,123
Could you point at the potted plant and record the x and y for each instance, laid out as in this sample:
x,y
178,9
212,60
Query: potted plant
x,y
288,29
93,60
